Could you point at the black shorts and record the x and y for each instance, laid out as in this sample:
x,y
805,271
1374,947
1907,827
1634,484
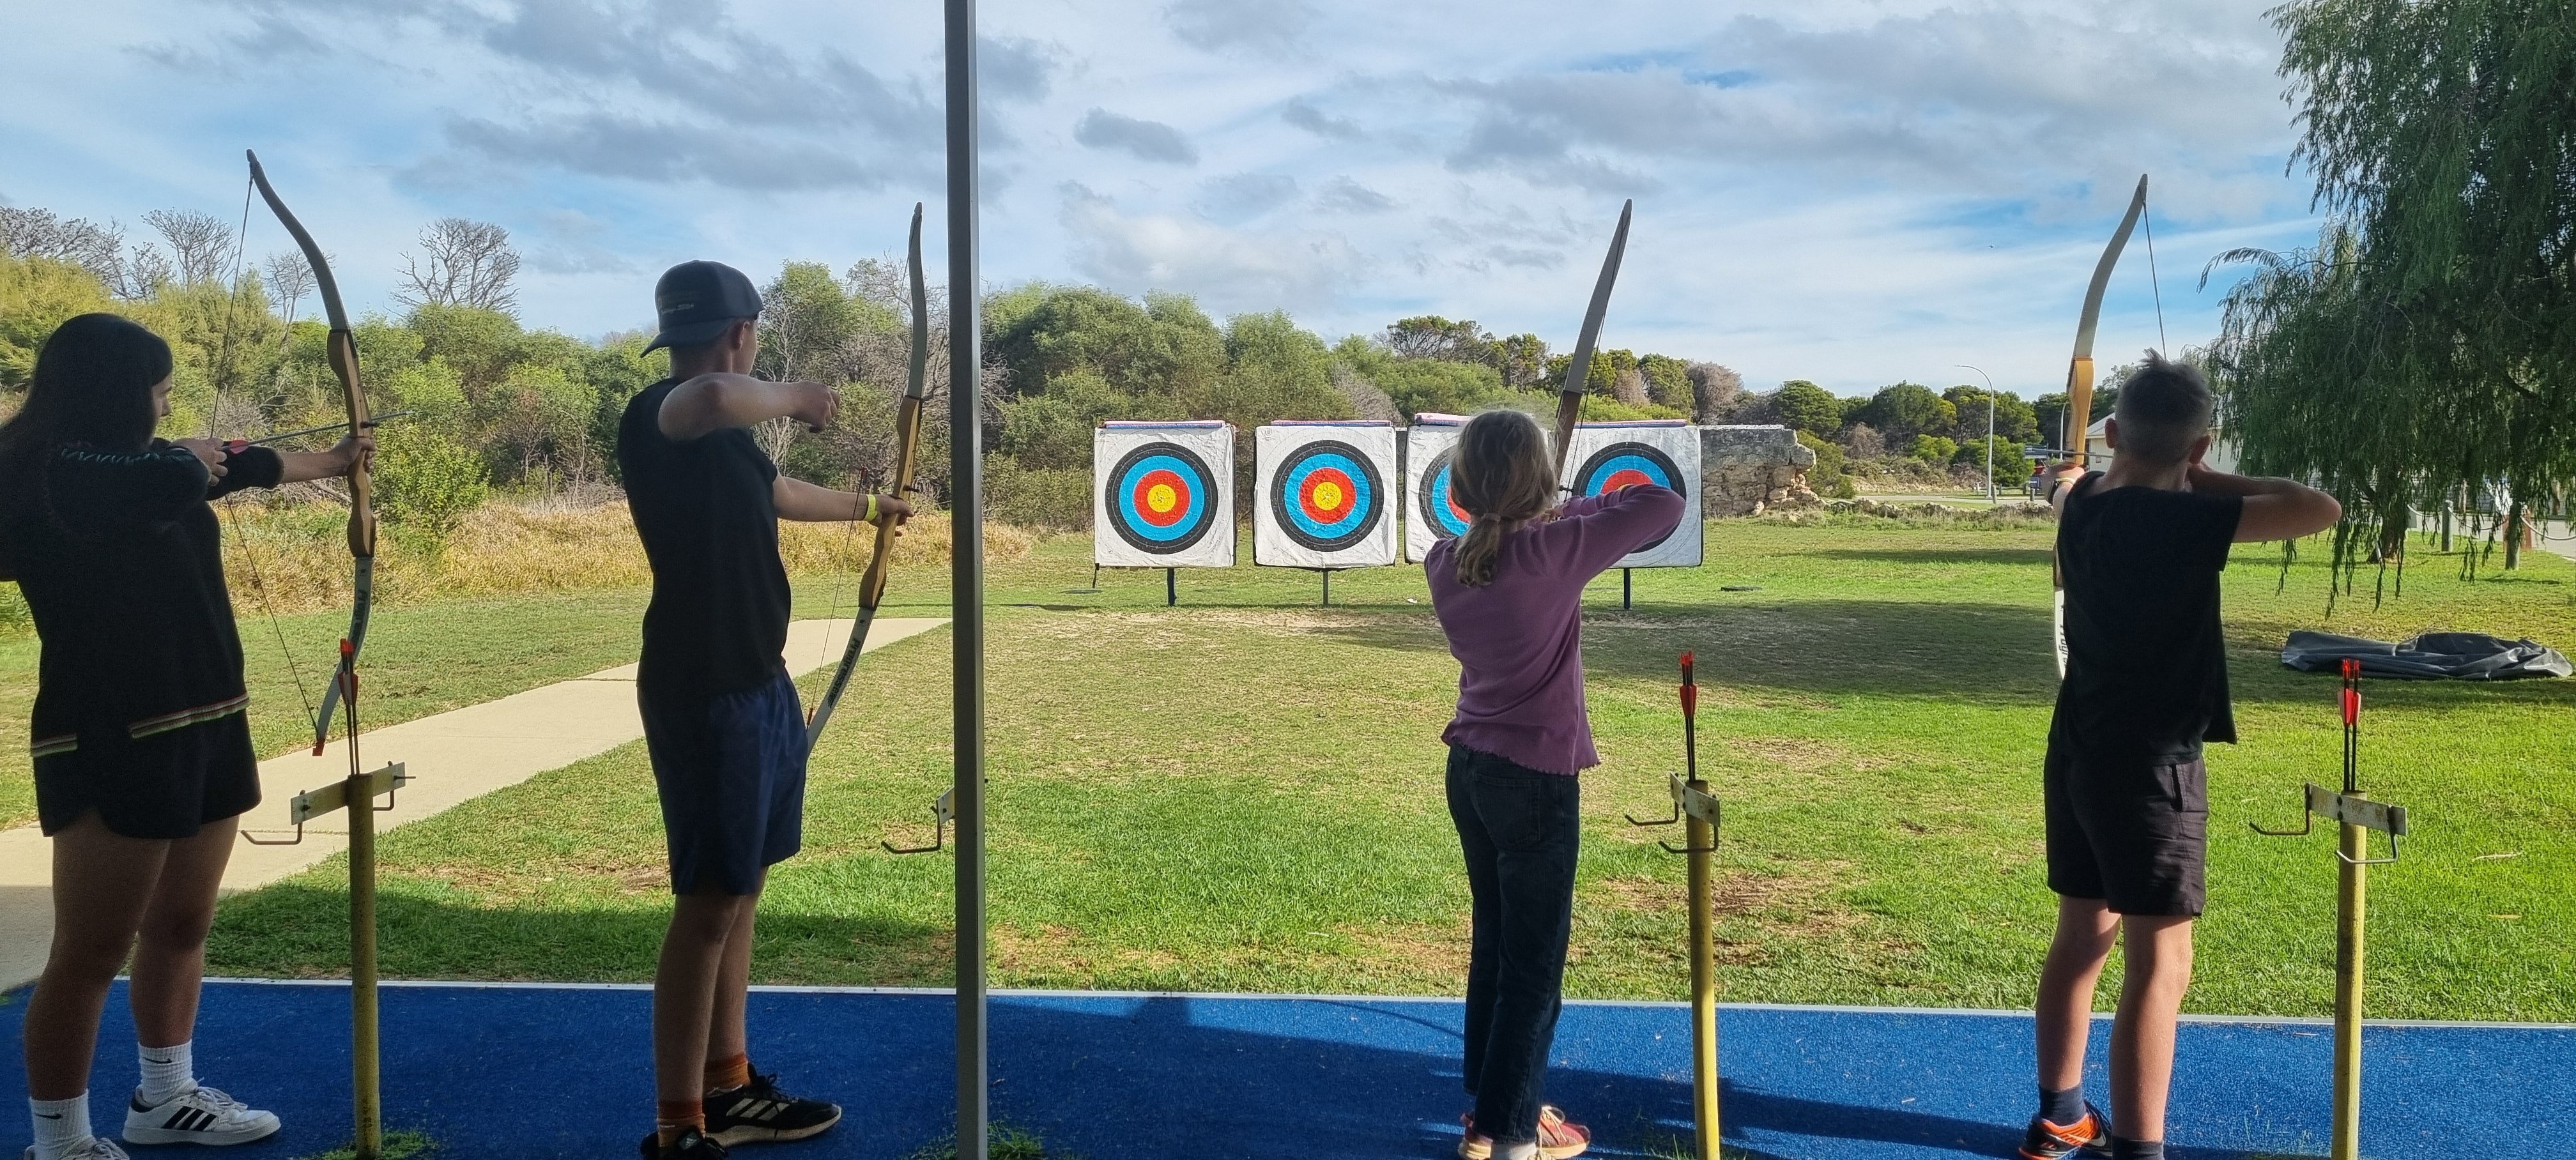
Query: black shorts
x,y
161,785
731,771
2133,834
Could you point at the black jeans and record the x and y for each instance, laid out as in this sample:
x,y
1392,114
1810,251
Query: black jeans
x,y
1520,830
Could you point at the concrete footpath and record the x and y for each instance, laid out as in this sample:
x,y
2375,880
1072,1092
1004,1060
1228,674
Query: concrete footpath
x,y
452,757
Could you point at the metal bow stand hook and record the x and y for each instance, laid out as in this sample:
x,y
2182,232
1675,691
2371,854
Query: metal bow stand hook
x,y
357,794
1696,810
942,812
2358,816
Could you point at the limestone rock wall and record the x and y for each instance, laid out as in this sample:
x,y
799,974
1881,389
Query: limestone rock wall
x,y
1748,470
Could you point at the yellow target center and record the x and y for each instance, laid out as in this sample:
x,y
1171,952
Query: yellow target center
x,y
1162,498
1328,496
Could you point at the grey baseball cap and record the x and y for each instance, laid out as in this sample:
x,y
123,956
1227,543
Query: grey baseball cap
x,y
696,301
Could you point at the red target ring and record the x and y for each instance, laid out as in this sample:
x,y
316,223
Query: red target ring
x,y
1327,495
1162,498
1628,478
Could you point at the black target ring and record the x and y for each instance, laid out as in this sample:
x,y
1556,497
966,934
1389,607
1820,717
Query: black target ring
x,y
1128,498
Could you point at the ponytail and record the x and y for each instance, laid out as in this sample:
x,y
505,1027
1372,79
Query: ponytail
x,y
1503,477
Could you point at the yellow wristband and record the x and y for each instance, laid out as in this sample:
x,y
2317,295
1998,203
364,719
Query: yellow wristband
x,y
871,517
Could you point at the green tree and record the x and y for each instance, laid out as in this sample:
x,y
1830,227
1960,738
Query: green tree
x,y
1668,381
2419,354
1906,410
1429,336
2013,418
1808,407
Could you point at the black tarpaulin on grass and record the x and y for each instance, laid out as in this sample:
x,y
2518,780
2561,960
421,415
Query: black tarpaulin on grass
x,y
2434,656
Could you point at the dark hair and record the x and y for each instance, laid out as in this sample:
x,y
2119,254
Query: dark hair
x,y
93,384
1502,475
2163,408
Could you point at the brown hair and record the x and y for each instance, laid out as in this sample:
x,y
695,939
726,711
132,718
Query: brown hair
x,y
2163,408
1501,475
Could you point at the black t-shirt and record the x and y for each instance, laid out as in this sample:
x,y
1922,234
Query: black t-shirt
x,y
121,563
708,515
2146,665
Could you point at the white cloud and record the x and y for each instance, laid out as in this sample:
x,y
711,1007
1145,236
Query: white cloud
x,y
1854,191
1231,271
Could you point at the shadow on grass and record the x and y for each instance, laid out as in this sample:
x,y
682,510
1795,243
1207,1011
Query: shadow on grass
x,y
1993,654
2011,557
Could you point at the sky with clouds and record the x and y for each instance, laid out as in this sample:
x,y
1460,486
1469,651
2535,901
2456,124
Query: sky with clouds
x,y
1850,191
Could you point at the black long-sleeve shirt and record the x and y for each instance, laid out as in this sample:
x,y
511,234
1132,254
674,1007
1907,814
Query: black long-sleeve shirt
x,y
121,563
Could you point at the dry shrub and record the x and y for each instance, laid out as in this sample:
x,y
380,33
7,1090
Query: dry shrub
x,y
292,558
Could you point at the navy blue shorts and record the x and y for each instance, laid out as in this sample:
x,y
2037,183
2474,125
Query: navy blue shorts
x,y
732,777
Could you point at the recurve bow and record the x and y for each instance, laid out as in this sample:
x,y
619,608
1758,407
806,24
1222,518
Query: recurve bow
x,y
907,425
362,505
2079,390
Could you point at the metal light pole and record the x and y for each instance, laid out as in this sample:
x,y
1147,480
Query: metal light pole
x,y
966,569
1990,430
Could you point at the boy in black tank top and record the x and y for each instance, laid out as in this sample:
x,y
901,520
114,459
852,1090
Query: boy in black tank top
x,y
721,717
2140,546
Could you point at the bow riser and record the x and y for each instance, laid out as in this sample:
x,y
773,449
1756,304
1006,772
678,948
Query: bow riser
x,y
1578,370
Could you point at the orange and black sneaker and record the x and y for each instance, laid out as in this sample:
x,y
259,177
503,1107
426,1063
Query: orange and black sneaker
x,y
1558,1138
2053,1141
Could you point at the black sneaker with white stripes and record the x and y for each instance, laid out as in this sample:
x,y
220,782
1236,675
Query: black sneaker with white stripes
x,y
759,1113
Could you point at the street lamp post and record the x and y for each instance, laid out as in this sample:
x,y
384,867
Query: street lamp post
x,y
1990,432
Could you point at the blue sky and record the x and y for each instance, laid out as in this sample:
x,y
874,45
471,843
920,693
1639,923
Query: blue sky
x,y
1852,192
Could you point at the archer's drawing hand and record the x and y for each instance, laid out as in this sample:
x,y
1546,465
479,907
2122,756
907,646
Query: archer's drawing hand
x,y
892,512
208,451
351,448
816,404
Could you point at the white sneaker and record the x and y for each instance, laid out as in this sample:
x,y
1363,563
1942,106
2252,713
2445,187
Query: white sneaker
x,y
96,1149
200,1115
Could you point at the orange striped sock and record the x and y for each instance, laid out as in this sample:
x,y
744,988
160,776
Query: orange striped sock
x,y
724,1075
673,1119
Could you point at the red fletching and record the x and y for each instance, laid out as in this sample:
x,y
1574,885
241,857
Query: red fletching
x,y
1690,688
347,649
2352,706
2352,668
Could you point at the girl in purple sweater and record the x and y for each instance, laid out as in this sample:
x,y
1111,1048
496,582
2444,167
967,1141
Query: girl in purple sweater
x,y
1509,595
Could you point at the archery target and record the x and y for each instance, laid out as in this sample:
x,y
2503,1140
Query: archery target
x,y
1324,495
1163,496
1430,513
1609,457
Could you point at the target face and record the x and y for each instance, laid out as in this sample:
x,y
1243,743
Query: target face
x,y
1623,465
1327,496
1161,498
1438,506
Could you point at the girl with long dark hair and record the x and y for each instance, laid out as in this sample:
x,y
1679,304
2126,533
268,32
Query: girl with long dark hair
x,y
1509,594
142,753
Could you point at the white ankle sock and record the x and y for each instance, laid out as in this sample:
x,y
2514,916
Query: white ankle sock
x,y
1525,1150
167,1072
61,1125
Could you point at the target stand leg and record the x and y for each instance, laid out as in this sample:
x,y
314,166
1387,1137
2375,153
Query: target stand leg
x,y
1627,588
1171,587
1328,586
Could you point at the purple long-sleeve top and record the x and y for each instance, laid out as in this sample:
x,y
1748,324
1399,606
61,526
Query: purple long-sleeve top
x,y
1519,640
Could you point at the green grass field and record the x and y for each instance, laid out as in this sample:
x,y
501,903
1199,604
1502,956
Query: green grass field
x,y
1243,793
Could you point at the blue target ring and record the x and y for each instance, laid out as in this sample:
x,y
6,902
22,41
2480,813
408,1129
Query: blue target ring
x,y
1327,496
1435,506
1626,465
1161,498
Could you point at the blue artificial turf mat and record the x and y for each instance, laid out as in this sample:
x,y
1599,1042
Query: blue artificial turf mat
x,y
563,1071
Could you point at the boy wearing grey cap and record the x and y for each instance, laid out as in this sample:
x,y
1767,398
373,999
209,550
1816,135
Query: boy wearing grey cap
x,y
721,717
